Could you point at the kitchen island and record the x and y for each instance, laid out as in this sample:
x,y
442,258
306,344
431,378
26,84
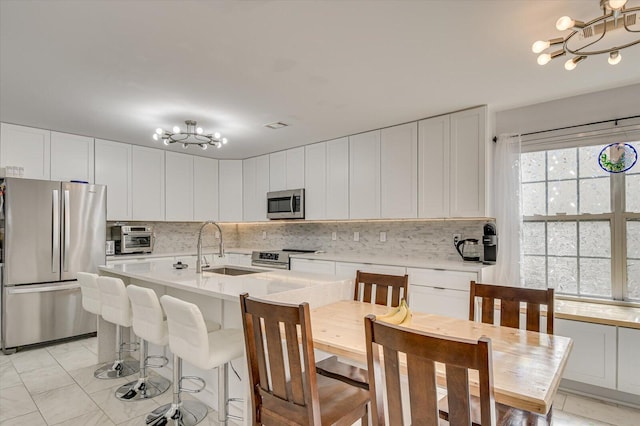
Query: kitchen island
x,y
217,296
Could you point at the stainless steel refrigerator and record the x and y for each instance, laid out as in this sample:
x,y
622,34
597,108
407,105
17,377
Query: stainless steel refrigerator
x,y
51,231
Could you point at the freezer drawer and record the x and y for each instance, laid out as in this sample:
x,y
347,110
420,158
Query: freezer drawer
x,y
43,312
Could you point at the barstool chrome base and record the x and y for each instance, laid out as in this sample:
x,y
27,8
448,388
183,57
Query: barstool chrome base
x,y
143,389
117,369
187,413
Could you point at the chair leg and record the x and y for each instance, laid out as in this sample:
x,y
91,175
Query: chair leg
x,y
145,387
223,391
120,367
178,413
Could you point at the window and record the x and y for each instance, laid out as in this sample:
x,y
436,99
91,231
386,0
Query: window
x,y
581,225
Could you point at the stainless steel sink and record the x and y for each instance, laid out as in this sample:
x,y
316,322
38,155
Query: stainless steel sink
x,y
226,270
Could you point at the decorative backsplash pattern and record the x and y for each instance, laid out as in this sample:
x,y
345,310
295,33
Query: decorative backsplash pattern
x,y
419,238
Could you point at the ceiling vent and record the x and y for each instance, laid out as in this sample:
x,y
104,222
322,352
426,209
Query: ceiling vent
x,y
276,125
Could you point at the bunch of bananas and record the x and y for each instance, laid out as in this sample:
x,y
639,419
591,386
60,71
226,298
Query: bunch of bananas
x,y
398,315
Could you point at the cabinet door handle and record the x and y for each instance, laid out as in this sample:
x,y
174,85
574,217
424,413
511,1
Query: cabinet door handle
x,y
440,288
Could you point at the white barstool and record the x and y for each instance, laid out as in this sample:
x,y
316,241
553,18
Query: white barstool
x,y
190,340
116,309
150,326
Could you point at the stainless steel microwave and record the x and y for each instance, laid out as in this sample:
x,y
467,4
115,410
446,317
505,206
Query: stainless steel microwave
x,y
285,204
132,239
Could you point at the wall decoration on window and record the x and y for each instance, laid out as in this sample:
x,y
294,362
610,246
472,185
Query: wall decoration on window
x,y
617,157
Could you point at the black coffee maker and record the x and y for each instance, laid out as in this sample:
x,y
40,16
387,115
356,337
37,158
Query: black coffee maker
x,y
490,242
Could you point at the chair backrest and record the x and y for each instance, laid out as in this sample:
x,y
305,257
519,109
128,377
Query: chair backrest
x,y
275,396
188,337
366,281
148,317
510,305
90,293
422,350
116,307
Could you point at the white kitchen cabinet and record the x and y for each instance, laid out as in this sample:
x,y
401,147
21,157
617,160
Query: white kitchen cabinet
x,y
148,183
628,350
441,292
349,269
399,171
230,184
295,168
364,175
255,185
315,195
593,357
26,147
314,266
72,157
327,180
433,170
468,181
278,171
113,169
205,188
179,187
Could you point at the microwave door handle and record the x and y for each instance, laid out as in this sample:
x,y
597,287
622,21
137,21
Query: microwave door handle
x,y
55,230
67,230
291,203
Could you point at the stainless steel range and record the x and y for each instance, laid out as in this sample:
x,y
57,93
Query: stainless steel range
x,y
277,259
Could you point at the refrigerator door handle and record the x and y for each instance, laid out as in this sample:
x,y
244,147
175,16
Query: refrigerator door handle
x,y
55,233
66,207
37,289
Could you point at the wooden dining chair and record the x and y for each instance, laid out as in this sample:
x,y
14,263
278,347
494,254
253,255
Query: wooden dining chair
x,y
285,387
384,285
511,299
422,351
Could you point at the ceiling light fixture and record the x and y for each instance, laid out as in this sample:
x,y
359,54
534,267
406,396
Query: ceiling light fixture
x,y
617,28
276,125
191,136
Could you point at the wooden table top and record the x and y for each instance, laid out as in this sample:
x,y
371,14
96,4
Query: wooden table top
x,y
527,366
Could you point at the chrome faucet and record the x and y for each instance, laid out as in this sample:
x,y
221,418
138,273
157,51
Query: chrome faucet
x,y
220,250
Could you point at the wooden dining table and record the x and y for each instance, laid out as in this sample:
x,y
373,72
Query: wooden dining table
x,y
527,366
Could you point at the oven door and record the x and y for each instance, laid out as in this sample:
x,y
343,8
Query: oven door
x,y
285,204
136,242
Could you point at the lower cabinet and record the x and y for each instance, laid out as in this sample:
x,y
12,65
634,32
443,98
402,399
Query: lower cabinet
x,y
440,292
350,269
628,350
314,266
593,357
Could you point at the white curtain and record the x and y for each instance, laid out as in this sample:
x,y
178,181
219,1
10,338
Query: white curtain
x,y
508,209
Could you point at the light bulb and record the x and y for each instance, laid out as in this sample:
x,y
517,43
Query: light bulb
x,y
155,136
564,23
615,57
216,135
185,146
224,140
166,142
544,59
204,146
176,129
572,63
539,46
199,130
159,131
617,4
219,145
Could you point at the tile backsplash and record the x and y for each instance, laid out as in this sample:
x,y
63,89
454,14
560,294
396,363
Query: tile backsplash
x,y
430,239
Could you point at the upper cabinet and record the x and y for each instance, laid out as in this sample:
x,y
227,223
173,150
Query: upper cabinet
x,y
72,157
230,190
327,180
255,185
179,186
148,184
205,189
399,171
113,168
28,148
364,175
286,169
452,152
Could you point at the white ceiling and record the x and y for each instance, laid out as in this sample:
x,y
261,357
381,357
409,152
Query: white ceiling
x,y
118,69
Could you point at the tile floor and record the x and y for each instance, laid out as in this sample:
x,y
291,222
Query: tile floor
x,y
55,386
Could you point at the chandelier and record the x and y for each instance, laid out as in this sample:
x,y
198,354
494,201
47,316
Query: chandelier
x,y
609,33
191,136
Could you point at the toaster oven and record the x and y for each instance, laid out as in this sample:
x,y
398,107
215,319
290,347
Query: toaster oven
x,y
132,239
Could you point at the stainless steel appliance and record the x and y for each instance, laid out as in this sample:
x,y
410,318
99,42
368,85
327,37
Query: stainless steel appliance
x,y
276,259
285,204
51,230
490,242
132,239
469,250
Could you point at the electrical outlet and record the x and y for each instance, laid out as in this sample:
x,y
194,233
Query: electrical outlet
x,y
383,236
334,236
456,238
356,236
264,235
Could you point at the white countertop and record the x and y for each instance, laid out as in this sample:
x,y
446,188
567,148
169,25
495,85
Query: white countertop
x,y
285,286
174,254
